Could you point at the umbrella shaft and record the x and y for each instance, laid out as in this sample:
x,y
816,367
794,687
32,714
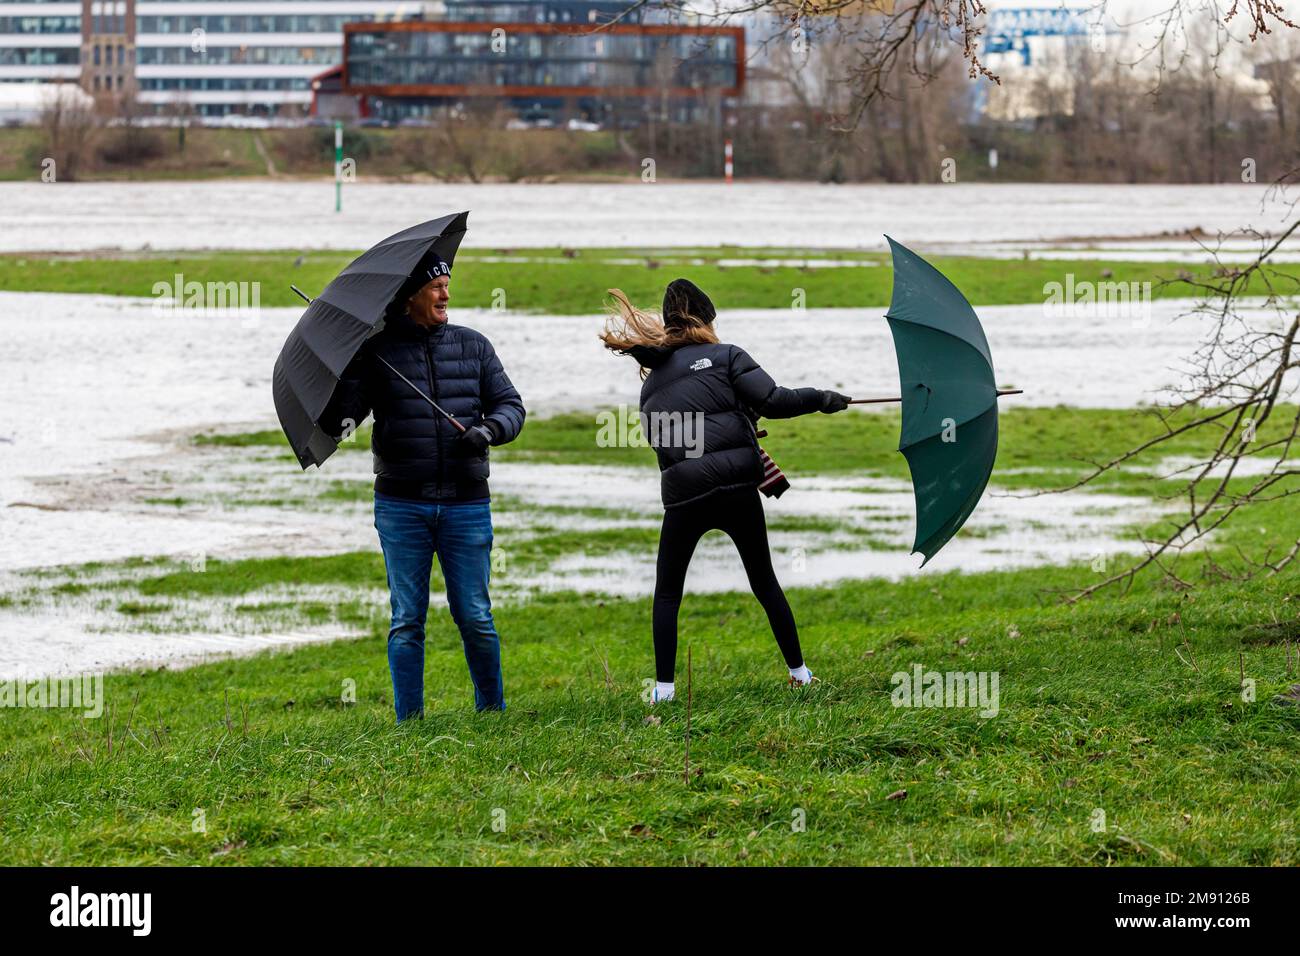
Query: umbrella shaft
x,y
880,401
436,407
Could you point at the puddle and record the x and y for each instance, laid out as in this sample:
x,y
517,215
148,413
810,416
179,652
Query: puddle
x,y
61,645
1003,533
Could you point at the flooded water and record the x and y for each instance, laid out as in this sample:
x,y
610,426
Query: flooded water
x,y
93,380
872,537
93,383
103,395
1003,220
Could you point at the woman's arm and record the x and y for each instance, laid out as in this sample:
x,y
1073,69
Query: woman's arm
x,y
760,392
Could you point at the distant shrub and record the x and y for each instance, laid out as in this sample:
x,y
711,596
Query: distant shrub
x,y
131,146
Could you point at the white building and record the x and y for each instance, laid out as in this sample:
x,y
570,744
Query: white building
x,y
40,41
223,55
216,56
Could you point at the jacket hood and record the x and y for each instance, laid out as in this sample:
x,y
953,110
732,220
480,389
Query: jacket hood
x,y
652,356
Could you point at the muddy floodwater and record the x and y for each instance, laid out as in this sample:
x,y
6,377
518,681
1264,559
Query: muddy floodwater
x,y
104,395
1124,221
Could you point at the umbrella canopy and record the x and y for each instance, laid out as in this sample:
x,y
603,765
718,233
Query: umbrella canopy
x,y
950,401
338,322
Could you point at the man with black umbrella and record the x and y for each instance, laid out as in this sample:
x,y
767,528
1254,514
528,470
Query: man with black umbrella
x,y
440,397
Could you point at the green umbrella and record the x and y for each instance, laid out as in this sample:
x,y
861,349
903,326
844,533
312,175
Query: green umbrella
x,y
950,400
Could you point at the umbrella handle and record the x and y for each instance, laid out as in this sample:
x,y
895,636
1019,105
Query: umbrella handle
x,y
879,401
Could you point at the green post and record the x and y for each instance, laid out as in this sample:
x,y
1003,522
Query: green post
x,y
338,166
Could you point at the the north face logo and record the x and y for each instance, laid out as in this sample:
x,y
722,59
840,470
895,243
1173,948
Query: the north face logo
x,y
701,363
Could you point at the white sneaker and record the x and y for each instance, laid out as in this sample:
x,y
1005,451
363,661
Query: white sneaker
x,y
812,679
657,697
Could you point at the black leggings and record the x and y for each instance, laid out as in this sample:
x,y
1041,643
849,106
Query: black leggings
x,y
740,514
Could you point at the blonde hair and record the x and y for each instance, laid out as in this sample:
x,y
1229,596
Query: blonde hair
x,y
628,327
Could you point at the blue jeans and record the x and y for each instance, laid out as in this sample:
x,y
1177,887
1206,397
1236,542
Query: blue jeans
x,y
411,532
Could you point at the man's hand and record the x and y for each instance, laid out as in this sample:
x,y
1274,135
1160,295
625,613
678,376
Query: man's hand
x,y
834,402
478,437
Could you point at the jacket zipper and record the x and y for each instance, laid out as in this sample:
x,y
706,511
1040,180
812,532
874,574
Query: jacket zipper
x,y
437,424
437,432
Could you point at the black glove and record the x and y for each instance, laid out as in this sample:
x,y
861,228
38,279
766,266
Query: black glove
x,y
834,402
478,437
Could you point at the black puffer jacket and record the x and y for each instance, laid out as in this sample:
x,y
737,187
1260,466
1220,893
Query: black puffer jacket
x,y
724,385
417,452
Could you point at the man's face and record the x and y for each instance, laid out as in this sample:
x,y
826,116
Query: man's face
x,y
429,305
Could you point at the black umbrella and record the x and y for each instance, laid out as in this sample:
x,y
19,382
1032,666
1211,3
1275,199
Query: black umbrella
x,y
338,322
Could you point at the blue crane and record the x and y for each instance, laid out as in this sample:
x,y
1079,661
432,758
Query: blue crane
x,y
1008,28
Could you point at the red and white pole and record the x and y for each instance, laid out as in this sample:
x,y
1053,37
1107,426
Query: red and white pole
x,y
727,165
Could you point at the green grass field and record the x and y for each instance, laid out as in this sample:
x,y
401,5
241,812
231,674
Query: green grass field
x,y
574,282
1130,705
1097,713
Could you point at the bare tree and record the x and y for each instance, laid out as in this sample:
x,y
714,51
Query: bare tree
x,y
1234,402
69,125
463,137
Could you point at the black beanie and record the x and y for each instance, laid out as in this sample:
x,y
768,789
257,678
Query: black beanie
x,y
433,265
428,269
684,297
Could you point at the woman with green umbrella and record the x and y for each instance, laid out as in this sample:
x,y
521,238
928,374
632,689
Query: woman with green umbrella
x,y
699,400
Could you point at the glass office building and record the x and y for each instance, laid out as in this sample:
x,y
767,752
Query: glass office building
x,y
551,62
459,59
